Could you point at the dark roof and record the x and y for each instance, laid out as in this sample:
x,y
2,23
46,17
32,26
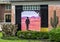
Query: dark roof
x,y
32,0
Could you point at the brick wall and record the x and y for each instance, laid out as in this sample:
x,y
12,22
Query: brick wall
x,y
3,11
51,9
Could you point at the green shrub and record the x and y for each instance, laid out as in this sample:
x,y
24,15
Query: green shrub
x,y
10,38
54,35
9,30
32,35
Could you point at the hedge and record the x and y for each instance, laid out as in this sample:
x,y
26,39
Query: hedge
x,y
32,35
54,35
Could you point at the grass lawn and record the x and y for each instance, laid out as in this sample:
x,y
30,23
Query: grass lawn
x,y
2,40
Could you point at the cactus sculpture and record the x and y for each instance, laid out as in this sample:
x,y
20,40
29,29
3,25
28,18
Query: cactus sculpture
x,y
54,20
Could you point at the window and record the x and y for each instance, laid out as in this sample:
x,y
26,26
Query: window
x,y
7,7
8,18
31,7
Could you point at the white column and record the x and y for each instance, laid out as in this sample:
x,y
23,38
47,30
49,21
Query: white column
x,y
13,14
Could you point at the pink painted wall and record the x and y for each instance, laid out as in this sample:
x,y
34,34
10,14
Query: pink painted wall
x,y
34,24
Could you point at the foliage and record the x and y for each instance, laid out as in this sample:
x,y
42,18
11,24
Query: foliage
x,y
32,35
9,30
54,35
54,21
10,38
15,40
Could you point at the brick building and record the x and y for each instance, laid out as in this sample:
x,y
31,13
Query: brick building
x,y
10,11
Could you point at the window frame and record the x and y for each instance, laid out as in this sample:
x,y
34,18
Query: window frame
x,y
5,17
8,7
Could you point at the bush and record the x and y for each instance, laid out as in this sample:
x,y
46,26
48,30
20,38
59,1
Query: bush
x,y
10,38
54,35
32,35
9,30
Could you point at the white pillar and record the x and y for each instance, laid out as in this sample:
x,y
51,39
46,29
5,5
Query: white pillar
x,y
13,14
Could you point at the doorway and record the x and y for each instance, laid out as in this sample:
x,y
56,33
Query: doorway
x,y
34,19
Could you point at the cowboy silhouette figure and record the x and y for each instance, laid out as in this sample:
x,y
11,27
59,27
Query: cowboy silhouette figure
x,y
27,23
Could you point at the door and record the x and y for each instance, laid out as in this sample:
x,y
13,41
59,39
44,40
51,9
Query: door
x,y
44,15
33,13
18,16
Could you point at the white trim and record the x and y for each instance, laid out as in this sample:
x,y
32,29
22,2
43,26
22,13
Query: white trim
x,y
13,14
4,17
7,9
37,3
